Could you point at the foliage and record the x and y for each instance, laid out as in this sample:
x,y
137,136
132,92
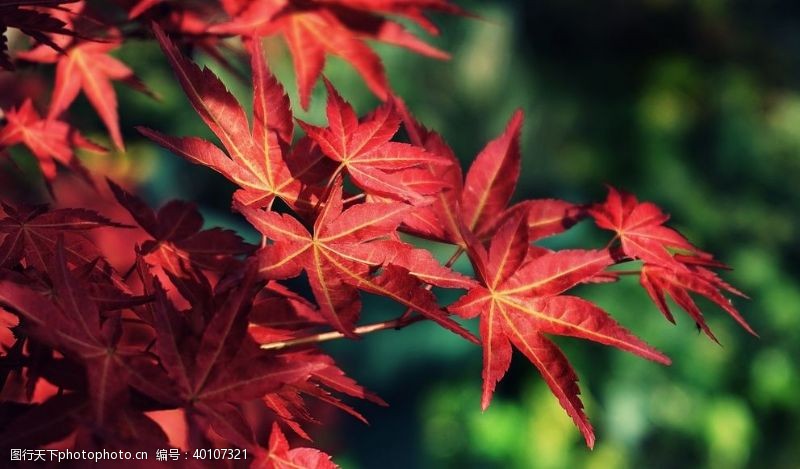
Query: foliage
x,y
204,325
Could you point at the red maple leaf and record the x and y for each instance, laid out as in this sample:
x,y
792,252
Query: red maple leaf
x,y
324,384
257,160
66,418
34,18
178,235
72,324
31,233
51,141
314,29
342,253
642,235
640,229
208,365
280,314
8,322
92,360
363,149
279,455
660,280
86,65
522,299
480,201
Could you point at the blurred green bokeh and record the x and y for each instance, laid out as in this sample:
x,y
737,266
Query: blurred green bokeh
x,y
692,104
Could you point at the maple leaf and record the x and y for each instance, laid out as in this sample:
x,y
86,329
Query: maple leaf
x,y
544,217
8,322
39,424
279,456
315,29
36,23
288,406
479,202
659,280
363,149
73,325
640,229
66,417
279,314
340,258
97,280
255,160
211,367
672,265
31,233
86,65
50,141
178,236
332,377
522,299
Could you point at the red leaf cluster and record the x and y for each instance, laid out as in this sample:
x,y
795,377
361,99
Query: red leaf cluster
x,y
203,328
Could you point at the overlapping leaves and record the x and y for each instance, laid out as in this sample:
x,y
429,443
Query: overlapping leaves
x,y
521,300
343,251
671,264
203,324
315,29
257,160
36,18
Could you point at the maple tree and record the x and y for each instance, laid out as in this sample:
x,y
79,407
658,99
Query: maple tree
x,y
202,324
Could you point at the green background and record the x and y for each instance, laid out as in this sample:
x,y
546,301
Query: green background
x,y
694,105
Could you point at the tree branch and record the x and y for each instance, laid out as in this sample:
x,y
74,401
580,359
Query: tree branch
x,y
398,323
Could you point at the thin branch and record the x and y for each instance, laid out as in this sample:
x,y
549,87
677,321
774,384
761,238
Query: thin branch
x,y
398,323
625,272
454,257
354,198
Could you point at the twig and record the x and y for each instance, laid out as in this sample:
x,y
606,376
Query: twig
x,y
625,272
398,323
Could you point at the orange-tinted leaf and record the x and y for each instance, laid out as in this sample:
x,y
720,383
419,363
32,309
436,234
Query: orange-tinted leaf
x,y
37,23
